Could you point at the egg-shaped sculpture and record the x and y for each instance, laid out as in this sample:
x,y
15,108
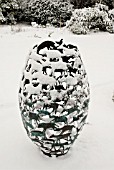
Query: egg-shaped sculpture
x,y
54,96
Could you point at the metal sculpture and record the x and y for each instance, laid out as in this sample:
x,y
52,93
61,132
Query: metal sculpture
x,y
54,96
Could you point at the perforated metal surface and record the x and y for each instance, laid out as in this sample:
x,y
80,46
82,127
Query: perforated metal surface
x,y
54,96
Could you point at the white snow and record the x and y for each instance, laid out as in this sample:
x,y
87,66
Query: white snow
x,y
34,24
33,90
45,79
69,52
59,65
94,148
53,54
71,81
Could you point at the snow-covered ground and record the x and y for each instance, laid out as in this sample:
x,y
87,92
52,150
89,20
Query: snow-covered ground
x,y
94,148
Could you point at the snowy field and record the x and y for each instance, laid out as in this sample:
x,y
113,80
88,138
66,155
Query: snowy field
x,y
94,148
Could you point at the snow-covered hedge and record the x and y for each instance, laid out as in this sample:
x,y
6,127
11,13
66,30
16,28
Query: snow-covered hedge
x,y
8,10
90,3
86,19
47,11
111,13
2,19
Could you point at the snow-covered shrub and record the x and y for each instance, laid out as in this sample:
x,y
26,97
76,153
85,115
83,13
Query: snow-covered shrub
x,y
83,20
47,11
111,13
101,7
82,4
2,19
9,8
90,3
109,3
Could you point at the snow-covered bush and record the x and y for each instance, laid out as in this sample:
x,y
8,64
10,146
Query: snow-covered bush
x,y
111,13
90,3
83,20
109,3
82,4
101,7
47,11
2,19
8,11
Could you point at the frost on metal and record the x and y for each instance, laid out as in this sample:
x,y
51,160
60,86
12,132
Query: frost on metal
x,y
54,96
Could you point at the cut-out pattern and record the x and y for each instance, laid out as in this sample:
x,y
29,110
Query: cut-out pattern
x,y
54,96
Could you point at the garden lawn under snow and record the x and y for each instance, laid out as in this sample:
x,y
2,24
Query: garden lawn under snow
x,y
94,148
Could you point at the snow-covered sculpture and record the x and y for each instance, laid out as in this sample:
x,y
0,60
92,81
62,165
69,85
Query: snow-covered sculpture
x,y
54,96
113,97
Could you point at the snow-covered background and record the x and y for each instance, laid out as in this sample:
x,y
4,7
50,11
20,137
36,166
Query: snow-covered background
x,y
94,148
